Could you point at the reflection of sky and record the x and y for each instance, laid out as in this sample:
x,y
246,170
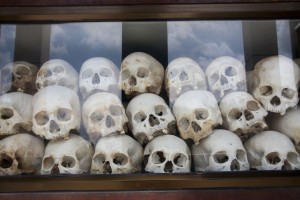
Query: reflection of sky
x,y
284,38
204,41
77,42
7,44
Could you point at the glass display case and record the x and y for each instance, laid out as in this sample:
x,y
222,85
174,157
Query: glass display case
x,y
164,96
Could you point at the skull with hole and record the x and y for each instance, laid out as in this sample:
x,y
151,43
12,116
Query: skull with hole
x,y
220,151
21,154
182,75
18,76
271,150
197,113
287,124
103,114
275,83
149,116
242,114
71,156
56,111
98,75
167,154
140,73
117,154
57,72
15,113
224,75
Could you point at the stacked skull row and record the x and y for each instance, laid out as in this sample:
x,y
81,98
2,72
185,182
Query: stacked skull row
x,y
55,111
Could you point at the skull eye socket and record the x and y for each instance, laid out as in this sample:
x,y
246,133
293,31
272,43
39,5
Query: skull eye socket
x,y
180,160
140,117
64,114
158,157
183,76
68,162
96,116
116,110
87,74
160,110
230,71
241,155
273,158
23,71
5,161
120,159
105,73
58,69
99,159
173,73
41,118
6,113
252,105
214,78
125,74
266,90
293,158
288,93
184,123
201,114
220,157
44,73
142,72
235,114
48,162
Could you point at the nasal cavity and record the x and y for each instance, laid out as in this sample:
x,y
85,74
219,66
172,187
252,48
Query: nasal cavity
x,y
286,165
106,168
54,127
132,81
96,79
223,80
109,121
153,120
183,76
168,167
235,166
275,101
55,169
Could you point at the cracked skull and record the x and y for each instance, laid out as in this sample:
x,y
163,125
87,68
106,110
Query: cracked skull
x,y
271,150
167,154
220,151
197,113
103,114
117,154
98,75
56,111
149,116
140,73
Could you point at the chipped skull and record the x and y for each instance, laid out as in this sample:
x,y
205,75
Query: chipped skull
x,y
98,75
103,114
140,73
224,75
15,113
197,114
117,154
56,111
160,156
71,156
182,75
220,151
21,154
57,72
242,114
149,116
275,90
271,150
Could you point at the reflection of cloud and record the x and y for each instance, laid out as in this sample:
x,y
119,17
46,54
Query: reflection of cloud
x,y
7,44
284,38
204,41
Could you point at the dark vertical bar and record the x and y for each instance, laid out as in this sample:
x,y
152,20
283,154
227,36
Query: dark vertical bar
x,y
295,37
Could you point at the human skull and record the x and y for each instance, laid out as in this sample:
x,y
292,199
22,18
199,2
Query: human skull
x,y
288,124
56,111
149,116
57,72
140,73
21,154
18,76
117,154
220,151
103,114
224,75
197,113
182,75
271,150
167,154
275,83
67,156
98,75
15,113
242,114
